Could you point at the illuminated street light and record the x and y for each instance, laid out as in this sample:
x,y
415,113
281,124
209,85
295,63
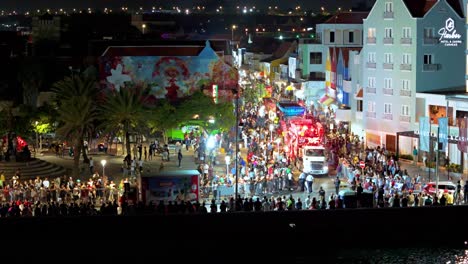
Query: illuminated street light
x,y
103,163
272,127
143,27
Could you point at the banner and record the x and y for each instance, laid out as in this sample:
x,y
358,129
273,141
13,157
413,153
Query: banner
x,y
462,134
424,130
443,129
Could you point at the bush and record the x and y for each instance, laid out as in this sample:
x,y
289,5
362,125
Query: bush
x,y
406,156
431,164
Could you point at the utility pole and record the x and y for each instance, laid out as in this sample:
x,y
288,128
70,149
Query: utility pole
x,y
237,147
430,149
437,164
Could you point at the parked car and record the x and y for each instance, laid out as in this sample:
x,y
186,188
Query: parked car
x,y
444,186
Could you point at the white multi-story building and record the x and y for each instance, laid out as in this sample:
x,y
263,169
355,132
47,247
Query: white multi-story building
x,y
409,46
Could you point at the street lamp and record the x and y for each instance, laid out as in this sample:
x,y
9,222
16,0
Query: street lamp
x,y
37,136
271,132
103,163
228,161
232,32
143,27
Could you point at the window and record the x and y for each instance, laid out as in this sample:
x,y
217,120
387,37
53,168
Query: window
x,y
406,58
405,110
371,57
371,33
388,83
317,76
405,85
388,7
359,106
387,108
428,59
406,32
370,106
388,32
351,37
371,82
316,58
429,33
389,58
332,36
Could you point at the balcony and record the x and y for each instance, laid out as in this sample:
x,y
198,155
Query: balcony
x,y
387,91
371,40
388,66
405,93
405,67
430,40
406,119
371,90
371,65
431,67
387,116
387,40
406,41
371,114
388,14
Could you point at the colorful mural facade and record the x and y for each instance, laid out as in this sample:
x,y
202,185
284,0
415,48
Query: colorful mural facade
x,y
170,77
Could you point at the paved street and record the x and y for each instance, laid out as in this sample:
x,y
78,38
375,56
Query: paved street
x,y
114,163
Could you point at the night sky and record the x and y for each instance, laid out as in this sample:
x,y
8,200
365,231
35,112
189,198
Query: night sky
x,y
22,5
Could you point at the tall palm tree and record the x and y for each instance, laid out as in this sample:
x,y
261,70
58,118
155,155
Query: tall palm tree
x,y
126,110
76,101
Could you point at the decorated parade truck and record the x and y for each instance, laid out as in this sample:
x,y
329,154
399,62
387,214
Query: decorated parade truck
x,y
303,137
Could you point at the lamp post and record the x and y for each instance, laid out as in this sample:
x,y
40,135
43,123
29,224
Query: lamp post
x,y
228,161
271,132
37,136
143,27
236,158
232,32
103,163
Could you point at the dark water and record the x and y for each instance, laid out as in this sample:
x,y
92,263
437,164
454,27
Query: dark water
x,y
390,256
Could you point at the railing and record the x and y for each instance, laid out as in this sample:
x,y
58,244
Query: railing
x,y
405,67
406,41
388,91
388,66
387,116
406,119
371,65
430,40
371,40
388,14
405,93
372,90
431,67
371,114
388,40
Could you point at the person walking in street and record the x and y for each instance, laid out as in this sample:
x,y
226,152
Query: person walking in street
x,y
309,181
91,165
337,185
179,156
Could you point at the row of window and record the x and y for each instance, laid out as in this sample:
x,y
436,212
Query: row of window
x,y
405,58
350,37
387,107
429,32
388,83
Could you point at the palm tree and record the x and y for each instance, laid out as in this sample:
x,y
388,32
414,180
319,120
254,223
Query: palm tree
x,y
125,110
76,100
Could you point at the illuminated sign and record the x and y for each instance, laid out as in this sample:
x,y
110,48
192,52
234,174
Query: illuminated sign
x,y
448,34
215,93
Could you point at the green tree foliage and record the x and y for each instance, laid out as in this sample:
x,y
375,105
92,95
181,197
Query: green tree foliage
x,y
127,110
75,97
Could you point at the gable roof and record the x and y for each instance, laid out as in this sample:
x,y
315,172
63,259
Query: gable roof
x,y
347,18
419,8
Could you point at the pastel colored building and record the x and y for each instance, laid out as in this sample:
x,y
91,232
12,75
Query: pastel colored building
x,y
410,46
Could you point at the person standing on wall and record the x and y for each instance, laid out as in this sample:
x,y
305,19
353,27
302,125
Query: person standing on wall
x,y
415,155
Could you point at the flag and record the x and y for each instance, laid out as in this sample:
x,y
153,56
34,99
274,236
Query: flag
x,y
462,133
443,129
424,127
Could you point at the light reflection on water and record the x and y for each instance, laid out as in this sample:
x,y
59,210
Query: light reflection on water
x,y
402,256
